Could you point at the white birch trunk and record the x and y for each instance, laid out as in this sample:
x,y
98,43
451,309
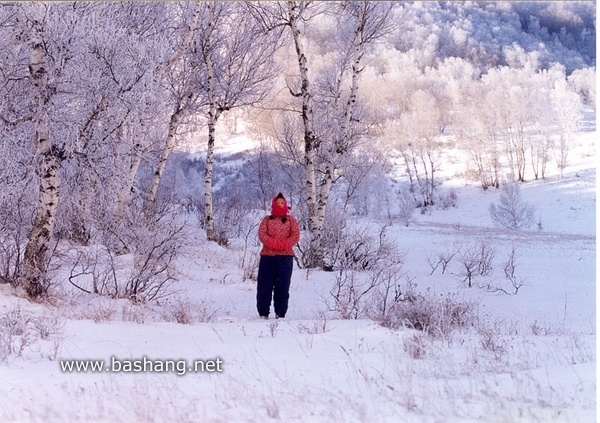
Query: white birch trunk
x,y
125,194
213,116
209,221
48,159
135,155
309,141
342,144
167,150
175,117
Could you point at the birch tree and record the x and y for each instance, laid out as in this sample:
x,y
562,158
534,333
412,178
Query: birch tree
x,y
476,129
34,263
295,11
236,54
292,16
179,77
543,117
360,23
420,145
115,83
50,36
71,86
511,99
567,106
136,47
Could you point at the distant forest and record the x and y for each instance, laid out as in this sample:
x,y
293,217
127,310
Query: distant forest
x,y
562,32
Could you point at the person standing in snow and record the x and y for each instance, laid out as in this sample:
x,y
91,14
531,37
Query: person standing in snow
x,y
278,233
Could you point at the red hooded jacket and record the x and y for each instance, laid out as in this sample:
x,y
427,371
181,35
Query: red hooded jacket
x,y
278,232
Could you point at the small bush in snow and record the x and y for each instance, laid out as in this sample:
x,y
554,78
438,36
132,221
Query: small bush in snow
x,y
406,203
475,260
185,311
446,199
138,258
133,313
436,315
512,212
318,326
12,345
362,294
48,325
101,312
19,331
349,293
273,326
250,269
491,340
414,345
509,266
385,292
15,322
362,249
157,247
510,269
368,266
442,258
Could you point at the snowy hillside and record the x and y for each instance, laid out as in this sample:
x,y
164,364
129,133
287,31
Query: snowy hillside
x,y
520,356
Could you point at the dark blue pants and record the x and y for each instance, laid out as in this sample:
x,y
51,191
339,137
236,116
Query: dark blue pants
x,y
274,276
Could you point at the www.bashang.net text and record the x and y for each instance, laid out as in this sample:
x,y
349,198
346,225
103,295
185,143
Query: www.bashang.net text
x,y
142,365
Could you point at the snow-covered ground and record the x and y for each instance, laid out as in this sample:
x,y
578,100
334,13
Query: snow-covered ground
x,y
532,357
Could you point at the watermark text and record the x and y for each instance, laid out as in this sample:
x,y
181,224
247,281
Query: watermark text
x,y
142,365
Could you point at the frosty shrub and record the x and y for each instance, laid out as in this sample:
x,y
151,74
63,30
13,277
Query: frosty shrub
x,y
385,291
364,248
101,312
349,294
250,267
319,325
510,270
13,345
435,314
333,237
491,340
512,212
21,331
247,230
15,321
48,325
414,345
136,259
15,221
368,266
509,266
442,258
475,260
133,313
304,257
232,217
185,311
155,249
446,199
406,205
